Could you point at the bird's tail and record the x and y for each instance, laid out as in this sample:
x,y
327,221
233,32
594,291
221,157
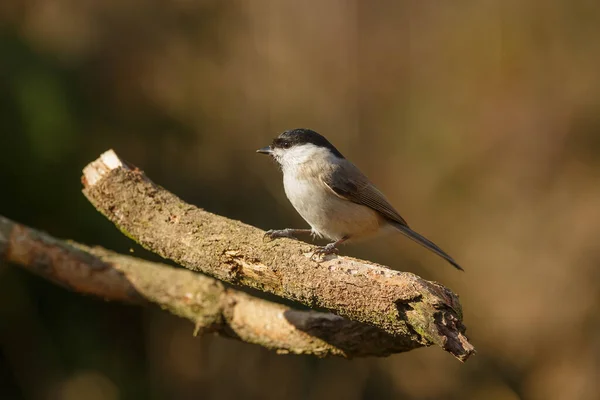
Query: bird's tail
x,y
423,241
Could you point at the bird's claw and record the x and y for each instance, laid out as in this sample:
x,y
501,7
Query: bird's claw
x,y
324,251
275,234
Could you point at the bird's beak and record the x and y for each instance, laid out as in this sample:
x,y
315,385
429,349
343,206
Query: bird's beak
x,y
265,150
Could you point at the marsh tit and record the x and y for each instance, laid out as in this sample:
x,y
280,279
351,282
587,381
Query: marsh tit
x,y
336,199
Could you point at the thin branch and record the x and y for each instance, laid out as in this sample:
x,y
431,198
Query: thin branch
x,y
205,301
400,303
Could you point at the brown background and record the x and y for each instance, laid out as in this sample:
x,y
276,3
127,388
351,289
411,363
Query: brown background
x,y
480,120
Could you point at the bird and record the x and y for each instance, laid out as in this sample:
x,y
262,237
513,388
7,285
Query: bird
x,y
333,196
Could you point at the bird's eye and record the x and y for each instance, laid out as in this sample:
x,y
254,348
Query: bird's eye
x,y
280,143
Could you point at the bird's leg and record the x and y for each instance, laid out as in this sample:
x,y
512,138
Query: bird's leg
x,y
284,233
330,248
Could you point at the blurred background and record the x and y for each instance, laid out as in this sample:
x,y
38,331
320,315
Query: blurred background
x,y
480,120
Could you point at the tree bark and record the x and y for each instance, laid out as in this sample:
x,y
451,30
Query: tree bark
x,y
401,304
206,302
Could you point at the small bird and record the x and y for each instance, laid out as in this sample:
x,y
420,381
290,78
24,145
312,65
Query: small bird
x,y
336,199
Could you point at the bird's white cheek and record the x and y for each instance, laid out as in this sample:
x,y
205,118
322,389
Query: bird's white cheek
x,y
300,155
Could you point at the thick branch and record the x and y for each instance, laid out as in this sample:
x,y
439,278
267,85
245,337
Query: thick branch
x,y
400,303
205,301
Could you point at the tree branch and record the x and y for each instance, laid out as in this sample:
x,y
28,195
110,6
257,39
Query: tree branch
x,y
413,310
205,301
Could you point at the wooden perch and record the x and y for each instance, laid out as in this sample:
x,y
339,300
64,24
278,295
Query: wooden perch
x,y
205,301
414,311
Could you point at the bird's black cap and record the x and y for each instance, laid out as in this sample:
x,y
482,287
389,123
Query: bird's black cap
x,y
301,136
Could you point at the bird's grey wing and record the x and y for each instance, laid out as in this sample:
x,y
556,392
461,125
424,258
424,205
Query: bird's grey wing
x,y
346,181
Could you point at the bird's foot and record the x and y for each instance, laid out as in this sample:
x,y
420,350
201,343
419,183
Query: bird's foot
x,y
325,250
279,233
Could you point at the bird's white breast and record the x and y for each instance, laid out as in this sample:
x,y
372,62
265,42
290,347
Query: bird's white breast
x,y
328,214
